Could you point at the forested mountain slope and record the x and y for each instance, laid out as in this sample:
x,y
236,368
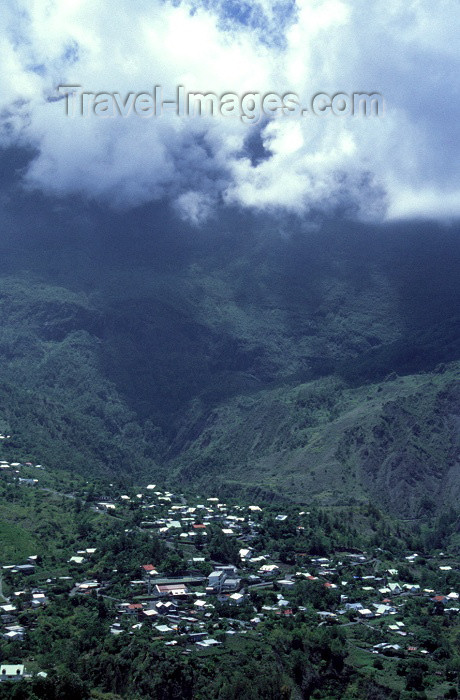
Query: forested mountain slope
x,y
317,361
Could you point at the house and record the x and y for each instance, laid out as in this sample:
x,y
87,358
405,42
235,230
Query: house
x,y
230,569
353,606
13,636
17,629
216,580
397,627
87,585
137,582
11,672
440,599
245,554
286,583
412,557
77,560
227,531
165,608
326,615
268,569
106,506
282,602
384,646
230,584
236,598
148,568
208,643
175,589
25,569
174,525
381,609
38,599
197,636
134,608
8,609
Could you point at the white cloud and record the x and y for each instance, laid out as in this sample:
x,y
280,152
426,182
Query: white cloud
x,y
195,207
405,161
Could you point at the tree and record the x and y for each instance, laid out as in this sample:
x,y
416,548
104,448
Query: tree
x,y
415,673
174,564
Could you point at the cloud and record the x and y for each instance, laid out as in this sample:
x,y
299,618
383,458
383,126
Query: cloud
x,y
194,207
402,164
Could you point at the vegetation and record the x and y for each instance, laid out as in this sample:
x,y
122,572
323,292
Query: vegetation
x,y
277,655
314,369
326,438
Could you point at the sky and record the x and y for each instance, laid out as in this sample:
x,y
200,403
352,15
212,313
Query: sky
x,y
402,164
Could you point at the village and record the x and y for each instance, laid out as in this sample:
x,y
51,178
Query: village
x,y
225,573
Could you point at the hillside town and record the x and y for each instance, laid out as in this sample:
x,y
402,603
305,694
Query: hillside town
x,y
216,580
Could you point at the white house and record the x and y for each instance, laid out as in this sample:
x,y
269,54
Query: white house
x,y
11,672
236,598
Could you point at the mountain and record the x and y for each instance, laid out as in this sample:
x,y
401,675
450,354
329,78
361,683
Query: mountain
x,y
295,360
396,443
54,399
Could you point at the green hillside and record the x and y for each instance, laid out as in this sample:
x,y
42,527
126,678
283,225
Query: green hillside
x,y
54,399
315,365
395,442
